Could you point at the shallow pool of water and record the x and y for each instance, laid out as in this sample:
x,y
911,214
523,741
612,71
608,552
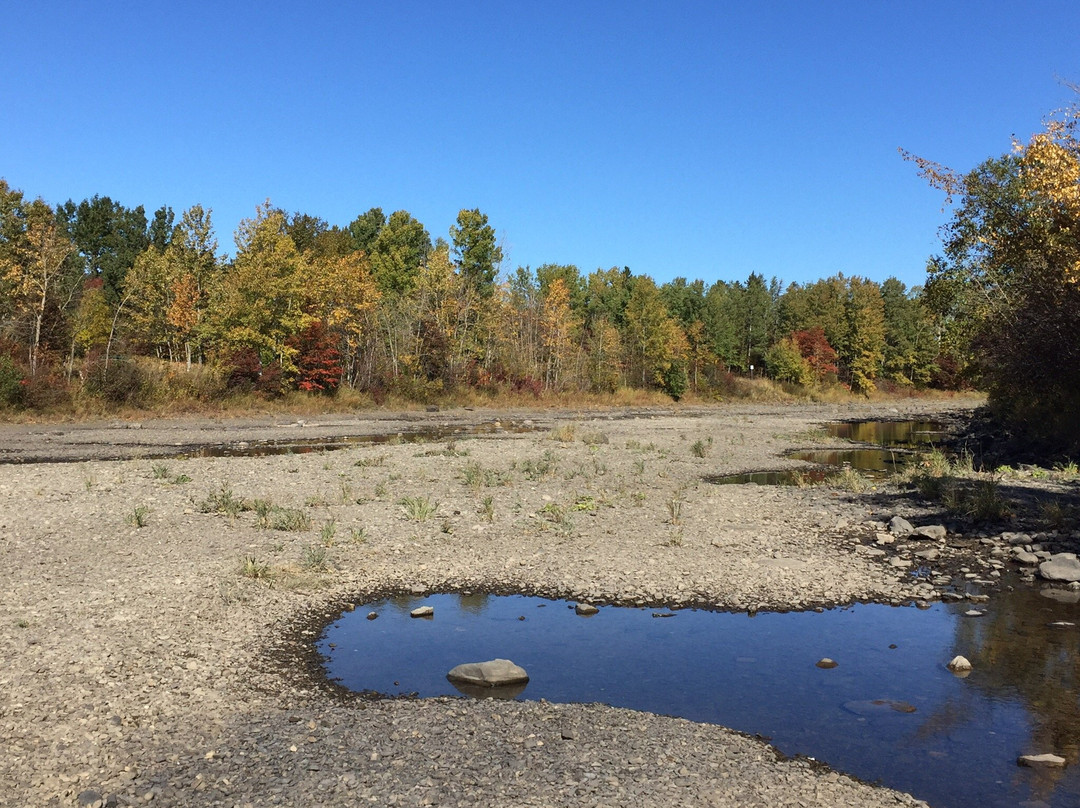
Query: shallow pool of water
x,y
956,747
889,433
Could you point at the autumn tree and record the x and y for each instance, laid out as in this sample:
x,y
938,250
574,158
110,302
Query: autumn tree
x,y
1006,285
34,265
261,301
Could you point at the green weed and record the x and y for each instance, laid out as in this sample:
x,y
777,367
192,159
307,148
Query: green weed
x,y
487,509
251,567
160,471
418,509
314,558
367,462
701,447
222,501
329,530
138,516
291,519
358,535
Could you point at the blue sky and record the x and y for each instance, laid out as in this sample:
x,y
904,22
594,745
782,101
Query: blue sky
x,y
707,140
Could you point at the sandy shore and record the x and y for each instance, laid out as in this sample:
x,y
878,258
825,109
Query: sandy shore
x,y
141,663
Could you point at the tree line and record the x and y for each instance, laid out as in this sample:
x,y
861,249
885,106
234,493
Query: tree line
x,y
94,295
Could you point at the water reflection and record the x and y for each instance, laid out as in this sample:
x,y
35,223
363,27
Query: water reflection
x,y
889,711
889,433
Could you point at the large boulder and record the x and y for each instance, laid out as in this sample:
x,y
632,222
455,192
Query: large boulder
x,y
1061,567
493,673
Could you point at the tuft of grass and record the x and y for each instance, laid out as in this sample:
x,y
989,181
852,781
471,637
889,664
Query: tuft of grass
x,y
223,501
985,502
540,469
329,530
475,476
251,567
292,519
179,479
1054,515
262,508
564,433
675,507
701,447
160,471
367,462
585,504
345,489
139,516
1067,470
418,509
314,558
848,480
487,509
594,438
380,490
358,535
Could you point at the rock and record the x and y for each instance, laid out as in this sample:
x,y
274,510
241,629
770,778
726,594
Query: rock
x,y
422,611
1061,567
1061,624
899,526
899,563
372,615
959,664
973,613
90,799
493,673
1024,557
933,532
585,609
1047,761
873,552
929,555
826,663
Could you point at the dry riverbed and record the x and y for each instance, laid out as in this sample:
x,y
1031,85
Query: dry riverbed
x,y
157,614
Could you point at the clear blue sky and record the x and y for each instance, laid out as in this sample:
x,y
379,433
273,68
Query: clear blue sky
x,y
702,139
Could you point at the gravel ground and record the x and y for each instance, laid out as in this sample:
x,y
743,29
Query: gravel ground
x,y
141,663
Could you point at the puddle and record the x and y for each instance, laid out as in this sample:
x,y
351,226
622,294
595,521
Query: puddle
x,y
898,443
889,433
867,460
889,711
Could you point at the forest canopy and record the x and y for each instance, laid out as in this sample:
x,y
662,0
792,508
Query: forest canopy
x,y
99,301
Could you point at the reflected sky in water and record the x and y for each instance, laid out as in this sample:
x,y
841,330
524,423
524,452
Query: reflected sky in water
x,y
759,675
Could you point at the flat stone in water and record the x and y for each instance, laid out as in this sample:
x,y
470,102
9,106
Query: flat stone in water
x,y
493,673
1045,761
422,611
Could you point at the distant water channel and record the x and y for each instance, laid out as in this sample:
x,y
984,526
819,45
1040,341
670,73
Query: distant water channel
x,y
894,444
889,711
